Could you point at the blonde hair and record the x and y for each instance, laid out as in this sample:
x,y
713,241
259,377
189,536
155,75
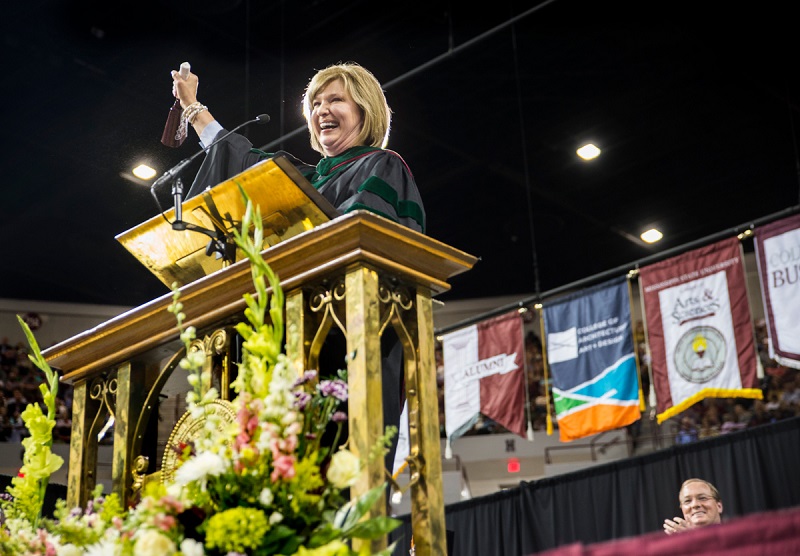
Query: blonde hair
x,y
366,92
712,488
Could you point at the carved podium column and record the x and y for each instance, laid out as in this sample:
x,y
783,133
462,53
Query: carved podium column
x,y
379,274
359,272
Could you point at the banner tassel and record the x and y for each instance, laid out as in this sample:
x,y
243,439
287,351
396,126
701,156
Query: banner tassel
x,y
448,450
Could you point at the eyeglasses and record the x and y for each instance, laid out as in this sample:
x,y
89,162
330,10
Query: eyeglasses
x,y
702,498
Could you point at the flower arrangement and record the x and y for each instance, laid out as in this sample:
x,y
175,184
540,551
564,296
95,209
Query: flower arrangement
x,y
264,483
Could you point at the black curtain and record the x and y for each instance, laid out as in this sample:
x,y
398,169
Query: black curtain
x,y
755,470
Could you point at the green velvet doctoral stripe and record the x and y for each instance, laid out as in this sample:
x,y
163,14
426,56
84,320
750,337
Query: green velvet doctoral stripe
x,y
328,164
404,209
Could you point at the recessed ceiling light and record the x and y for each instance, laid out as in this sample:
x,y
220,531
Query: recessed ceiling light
x,y
144,172
651,236
588,152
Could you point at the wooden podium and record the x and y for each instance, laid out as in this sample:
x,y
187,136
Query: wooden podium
x,y
360,272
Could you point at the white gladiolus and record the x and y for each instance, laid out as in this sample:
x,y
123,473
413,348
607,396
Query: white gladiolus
x,y
200,467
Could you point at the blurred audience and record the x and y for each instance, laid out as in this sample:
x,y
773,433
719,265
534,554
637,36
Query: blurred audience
x,y
19,386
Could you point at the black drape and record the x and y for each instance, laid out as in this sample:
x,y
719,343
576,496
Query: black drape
x,y
755,470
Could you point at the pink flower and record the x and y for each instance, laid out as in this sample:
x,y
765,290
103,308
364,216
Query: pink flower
x,y
165,522
274,447
252,425
284,468
288,445
242,439
294,428
172,503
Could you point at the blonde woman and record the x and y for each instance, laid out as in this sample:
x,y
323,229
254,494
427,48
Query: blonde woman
x,y
348,122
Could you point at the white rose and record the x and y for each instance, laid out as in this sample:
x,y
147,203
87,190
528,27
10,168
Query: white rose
x,y
152,542
191,547
344,470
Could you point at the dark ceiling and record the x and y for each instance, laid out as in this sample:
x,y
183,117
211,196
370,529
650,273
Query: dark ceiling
x,y
695,114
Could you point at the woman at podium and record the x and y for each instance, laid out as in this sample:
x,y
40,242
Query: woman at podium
x,y
348,122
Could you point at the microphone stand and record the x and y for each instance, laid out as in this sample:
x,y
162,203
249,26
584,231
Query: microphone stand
x,y
221,243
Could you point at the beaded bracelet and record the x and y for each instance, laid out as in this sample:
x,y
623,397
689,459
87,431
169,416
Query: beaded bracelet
x,y
191,111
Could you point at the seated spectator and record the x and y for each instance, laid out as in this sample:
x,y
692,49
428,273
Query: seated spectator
x,y
760,414
8,353
730,424
17,403
773,400
18,429
709,425
742,414
687,432
29,384
790,391
12,381
5,424
700,504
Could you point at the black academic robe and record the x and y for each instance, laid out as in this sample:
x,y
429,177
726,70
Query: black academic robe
x,y
361,178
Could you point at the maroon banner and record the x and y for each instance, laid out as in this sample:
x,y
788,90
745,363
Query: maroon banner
x,y
778,255
699,328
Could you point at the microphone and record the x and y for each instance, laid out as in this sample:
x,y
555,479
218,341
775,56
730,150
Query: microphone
x,y
174,172
179,167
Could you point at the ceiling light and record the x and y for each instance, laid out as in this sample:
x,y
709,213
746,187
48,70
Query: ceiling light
x,y
588,152
144,172
651,236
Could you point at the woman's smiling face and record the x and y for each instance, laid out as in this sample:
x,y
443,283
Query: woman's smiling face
x,y
336,118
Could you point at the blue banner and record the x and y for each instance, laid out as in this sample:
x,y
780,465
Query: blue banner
x,y
591,359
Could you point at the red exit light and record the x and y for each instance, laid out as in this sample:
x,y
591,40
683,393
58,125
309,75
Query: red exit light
x,y
513,465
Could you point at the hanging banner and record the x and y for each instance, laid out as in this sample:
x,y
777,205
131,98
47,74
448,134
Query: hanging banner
x,y
590,354
699,328
483,374
778,255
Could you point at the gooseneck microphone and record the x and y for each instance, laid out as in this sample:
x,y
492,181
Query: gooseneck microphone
x,y
173,174
219,243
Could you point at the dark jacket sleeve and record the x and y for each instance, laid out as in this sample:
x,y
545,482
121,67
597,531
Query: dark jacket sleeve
x,y
229,157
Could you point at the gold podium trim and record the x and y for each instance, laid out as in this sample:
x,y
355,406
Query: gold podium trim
x,y
359,237
289,206
188,429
